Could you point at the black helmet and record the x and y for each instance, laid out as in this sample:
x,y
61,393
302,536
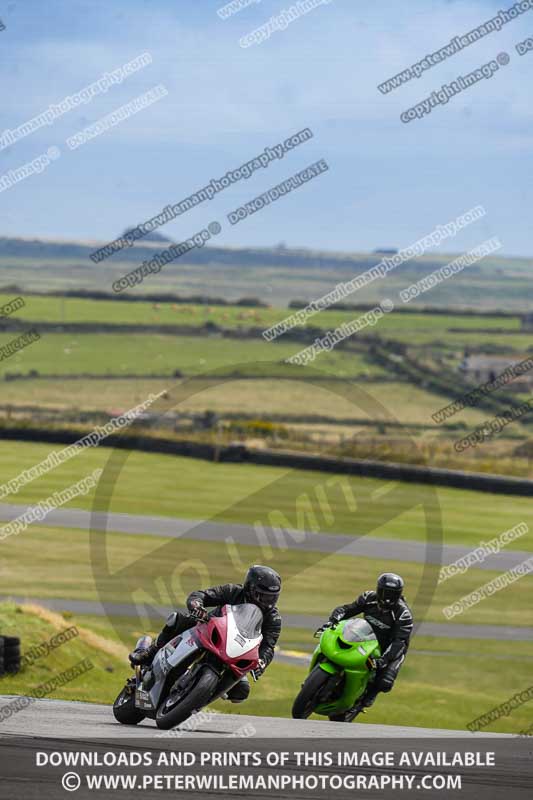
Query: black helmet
x,y
262,586
389,589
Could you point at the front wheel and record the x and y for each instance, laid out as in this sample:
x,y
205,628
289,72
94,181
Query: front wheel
x,y
170,713
308,697
124,709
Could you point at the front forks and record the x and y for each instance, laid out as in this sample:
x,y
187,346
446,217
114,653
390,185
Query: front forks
x,y
227,681
332,689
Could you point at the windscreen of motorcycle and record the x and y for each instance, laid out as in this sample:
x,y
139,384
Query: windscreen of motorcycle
x,y
357,630
248,619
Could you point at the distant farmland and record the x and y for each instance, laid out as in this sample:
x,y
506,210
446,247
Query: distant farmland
x,y
275,275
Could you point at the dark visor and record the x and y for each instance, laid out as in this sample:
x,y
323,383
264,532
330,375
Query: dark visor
x,y
389,593
266,598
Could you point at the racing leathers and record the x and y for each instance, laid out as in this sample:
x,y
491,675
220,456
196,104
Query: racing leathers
x,y
393,628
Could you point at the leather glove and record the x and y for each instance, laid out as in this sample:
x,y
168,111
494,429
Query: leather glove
x,y
143,656
258,671
198,611
336,615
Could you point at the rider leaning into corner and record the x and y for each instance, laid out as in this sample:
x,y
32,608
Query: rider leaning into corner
x,y
390,617
262,587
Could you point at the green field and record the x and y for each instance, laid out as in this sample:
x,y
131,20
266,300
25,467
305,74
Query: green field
x,y
147,354
159,354
73,309
314,583
412,328
386,401
161,485
110,371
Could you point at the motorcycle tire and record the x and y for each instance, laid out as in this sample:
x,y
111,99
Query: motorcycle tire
x,y
12,664
198,697
306,699
11,641
124,709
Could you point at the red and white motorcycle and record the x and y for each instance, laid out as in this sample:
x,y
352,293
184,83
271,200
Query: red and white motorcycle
x,y
193,669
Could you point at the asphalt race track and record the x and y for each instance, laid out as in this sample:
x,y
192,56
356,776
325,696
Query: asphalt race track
x,y
51,728
445,630
241,534
51,718
365,546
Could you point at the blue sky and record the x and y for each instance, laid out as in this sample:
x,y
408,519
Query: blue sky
x,y
388,183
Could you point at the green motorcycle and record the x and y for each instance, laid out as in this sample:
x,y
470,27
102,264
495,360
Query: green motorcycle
x,y
341,667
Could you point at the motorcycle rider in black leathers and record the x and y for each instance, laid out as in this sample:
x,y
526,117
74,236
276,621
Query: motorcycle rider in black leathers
x,y
391,619
262,587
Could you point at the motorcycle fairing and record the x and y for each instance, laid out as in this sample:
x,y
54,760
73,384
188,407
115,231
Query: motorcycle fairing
x,y
348,656
179,650
221,635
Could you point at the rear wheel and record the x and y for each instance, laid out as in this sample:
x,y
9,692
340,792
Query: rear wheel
x,y
307,698
124,709
176,708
